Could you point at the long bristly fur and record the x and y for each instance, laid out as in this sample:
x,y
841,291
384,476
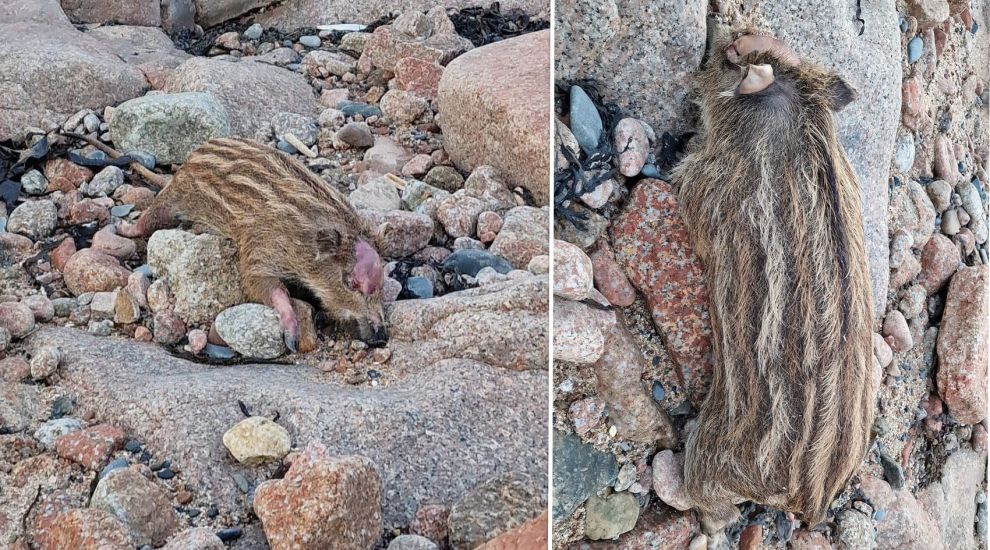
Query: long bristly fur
x,y
773,208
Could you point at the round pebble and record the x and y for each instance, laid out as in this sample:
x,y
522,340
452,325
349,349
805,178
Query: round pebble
x,y
914,49
310,41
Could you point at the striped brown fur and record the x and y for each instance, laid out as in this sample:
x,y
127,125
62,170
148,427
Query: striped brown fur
x,y
773,209
290,227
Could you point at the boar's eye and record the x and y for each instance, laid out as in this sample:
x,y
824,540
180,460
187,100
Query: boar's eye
x,y
328,240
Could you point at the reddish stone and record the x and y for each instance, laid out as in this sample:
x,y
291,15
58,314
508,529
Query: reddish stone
x,y
14,244
489,224
946,167
979,439
61,253
386,46
939,260
656,529
91,271
142,334
65,176
140,197
108,242
531,535
90,447
418,76
907,524
751,537
430,522
962,345
609,278
652,245
14,369
168,327
85,529
88,210
911,105
809,540
322,502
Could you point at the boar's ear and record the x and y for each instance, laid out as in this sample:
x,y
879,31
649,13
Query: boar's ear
x,y
328,240
367,275
840,93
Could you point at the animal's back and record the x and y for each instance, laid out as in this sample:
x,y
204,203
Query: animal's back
x,y
773,208
247,191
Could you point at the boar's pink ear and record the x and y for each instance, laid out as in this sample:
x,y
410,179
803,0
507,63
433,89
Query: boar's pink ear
x,y
367,275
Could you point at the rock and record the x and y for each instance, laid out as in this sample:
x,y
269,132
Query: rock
x,y
531,535
195,538
579,471
237,86
489,224
611,516
431,522
458,214
632,411
940,193
109,243
104,183
253,330
402,107
356,134
652,245
58,71
387,45
855,530
168,327
470,261
256,440
86,529
952,501
962,345
939,260
973,205
586,123
34,182
586,414
914,49
904,153
523,236
906,524
882,351
950,222
14,369
657,530
17,318
65,176
419,77
45,362
379,194
579,332
418,165
398,233
138,503
92,271
169,126
913,212
495,110
897,333
609,278
387,156
303,127
484,184
945,167
572,271
201,271
502,324
90,448
34,219
321,64
668,480
929,13
445,177
322,502
214,12
412,542
51,430
142,12
492,508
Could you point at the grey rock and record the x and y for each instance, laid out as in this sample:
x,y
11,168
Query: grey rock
x,y
914,49
412,542
253,330
420,287
855,531
608,517
34,219
940,193
169,126
201,271
138,503
254,31
356,134
34,182
137,384
904,152
238,87
48,432
973,205
470,261
579,471
103,183
952,501
213,12
279,56
303,127
586,123
494,507
379,194
310,41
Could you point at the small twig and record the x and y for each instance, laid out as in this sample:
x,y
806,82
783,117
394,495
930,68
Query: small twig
x,y
157,179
